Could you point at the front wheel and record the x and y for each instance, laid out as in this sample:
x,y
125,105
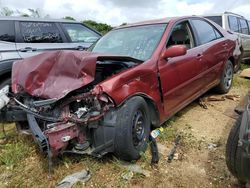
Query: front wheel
x,y
226,78
132,129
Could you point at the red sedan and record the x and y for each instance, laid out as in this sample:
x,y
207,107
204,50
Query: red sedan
x,y
131,81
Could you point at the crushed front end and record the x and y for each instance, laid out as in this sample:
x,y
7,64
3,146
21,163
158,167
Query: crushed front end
x,y
68,125
64,108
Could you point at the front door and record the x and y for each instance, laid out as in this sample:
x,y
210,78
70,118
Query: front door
x,y
179,76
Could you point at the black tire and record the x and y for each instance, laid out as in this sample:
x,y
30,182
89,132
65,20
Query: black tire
x,y
5,82
132,129
233,159
226,78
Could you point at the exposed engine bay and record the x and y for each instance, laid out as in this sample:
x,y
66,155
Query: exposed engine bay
x,y
72,124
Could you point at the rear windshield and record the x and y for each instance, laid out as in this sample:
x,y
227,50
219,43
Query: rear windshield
x,y
216,19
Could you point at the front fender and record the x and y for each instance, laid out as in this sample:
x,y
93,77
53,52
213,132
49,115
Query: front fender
x,y
6,66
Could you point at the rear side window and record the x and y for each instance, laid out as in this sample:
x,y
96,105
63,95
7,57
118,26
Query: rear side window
x,y
80,33
216,19
243,26
233,24
40,32
7,31
206,32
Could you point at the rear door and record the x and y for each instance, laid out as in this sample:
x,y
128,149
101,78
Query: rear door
x,y
80,36
245,36
214,50
36,37
179,76
241,28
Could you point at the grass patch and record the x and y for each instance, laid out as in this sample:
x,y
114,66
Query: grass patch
x,y
13,153
241,82
244,66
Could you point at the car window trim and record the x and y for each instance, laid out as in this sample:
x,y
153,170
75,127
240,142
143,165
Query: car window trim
x,y
196,32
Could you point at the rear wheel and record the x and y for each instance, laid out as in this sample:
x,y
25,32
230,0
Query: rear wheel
x,y
132,131
226,78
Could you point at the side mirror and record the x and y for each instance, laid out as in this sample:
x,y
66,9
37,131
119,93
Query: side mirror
x,y
174,51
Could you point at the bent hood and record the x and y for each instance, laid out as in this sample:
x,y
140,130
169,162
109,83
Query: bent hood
x,y
55,74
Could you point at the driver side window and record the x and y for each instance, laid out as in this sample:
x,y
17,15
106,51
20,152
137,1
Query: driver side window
x,y
181,34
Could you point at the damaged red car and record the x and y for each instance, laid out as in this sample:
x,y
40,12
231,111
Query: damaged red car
x,y
107,100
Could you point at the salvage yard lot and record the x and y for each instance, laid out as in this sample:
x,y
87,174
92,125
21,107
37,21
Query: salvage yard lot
x,y
199,160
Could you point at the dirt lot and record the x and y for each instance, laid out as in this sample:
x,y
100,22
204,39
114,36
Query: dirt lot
x,y
199,162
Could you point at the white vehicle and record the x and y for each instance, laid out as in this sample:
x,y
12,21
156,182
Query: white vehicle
x,y
237,24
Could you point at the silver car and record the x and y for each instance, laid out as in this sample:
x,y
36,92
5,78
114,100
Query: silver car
x,y
22,37
236,24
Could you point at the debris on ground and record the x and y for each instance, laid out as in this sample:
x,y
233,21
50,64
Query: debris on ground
x,y
173,150
245,73
233,97
154,150
127,175
216,98
136,169
202,103
70,180
212,146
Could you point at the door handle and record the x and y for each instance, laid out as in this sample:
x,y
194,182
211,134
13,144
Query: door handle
x,y
199,56
27,49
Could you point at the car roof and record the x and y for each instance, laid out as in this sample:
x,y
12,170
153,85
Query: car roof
x,y
227,13
157,21
13,18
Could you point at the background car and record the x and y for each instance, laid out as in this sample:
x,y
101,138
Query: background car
x,y
238,25
22,37
107,100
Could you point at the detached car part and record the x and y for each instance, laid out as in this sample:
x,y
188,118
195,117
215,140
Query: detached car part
x,y
238,146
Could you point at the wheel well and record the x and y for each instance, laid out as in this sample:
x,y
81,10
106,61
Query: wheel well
x,y
232,60
153,112
5,76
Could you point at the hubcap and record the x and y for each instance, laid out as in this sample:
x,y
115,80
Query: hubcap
x,y
228,75
138,128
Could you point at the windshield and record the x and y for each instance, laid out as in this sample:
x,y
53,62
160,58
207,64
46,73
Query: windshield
x,y
138,42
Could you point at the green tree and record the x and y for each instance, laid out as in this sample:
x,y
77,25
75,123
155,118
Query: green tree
x,y
35,13
69,18
5,11
101,27
123,24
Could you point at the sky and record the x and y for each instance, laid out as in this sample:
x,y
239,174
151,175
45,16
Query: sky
x,y
116,12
